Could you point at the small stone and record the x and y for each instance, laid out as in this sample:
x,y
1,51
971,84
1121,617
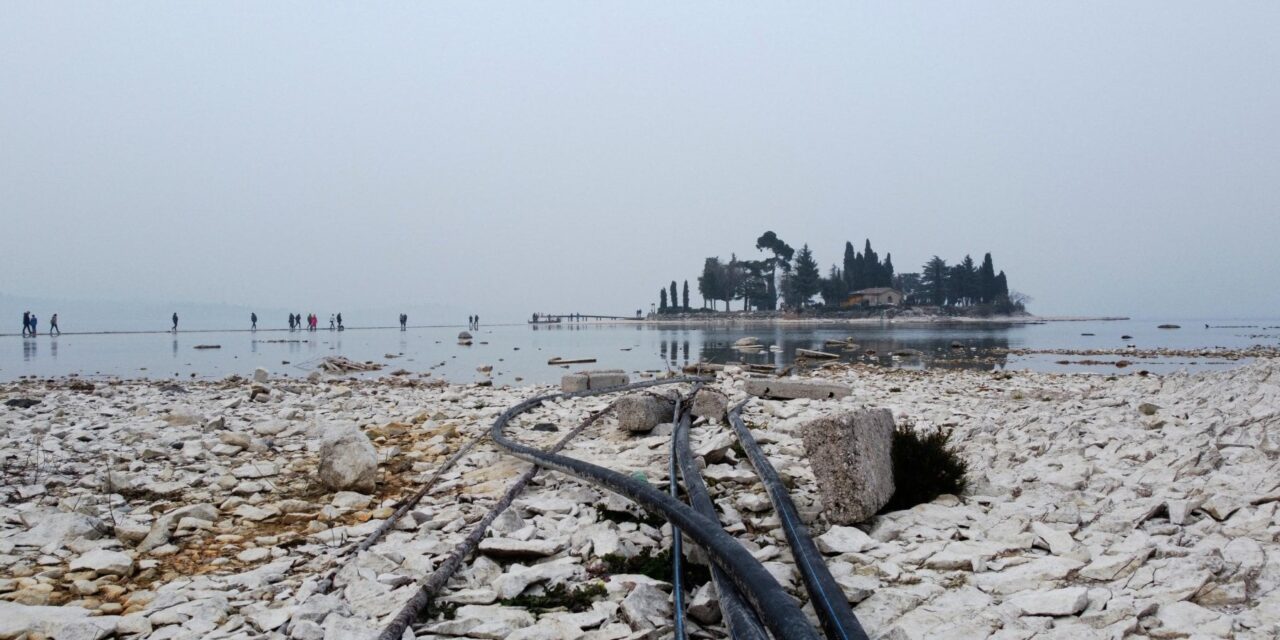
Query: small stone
x,y
1058,602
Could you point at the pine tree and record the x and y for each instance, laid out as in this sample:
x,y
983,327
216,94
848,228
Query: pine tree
x,y
662,300
933,279
834,289
675,301
782,253
686,295
968,280
808,280
709,281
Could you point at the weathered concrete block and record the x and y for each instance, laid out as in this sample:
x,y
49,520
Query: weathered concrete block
x,y
643,411
599,379
573,382
850,453
792,389
710,404
607,378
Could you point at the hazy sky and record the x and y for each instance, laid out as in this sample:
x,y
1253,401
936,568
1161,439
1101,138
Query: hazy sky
x,y
1115,157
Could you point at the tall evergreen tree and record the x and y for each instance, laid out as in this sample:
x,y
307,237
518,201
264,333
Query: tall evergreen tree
x,y
850,266
731,279
709,282
834,288
686,295
987,281
808,280
675,301
886,271
662,300
968,280
1001,287
870,266
933,279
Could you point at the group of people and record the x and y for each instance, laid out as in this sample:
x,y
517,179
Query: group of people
x,y
30,327
312,322
473,322
404,321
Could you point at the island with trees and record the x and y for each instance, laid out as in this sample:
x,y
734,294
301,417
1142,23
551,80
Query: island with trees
x,y
784,282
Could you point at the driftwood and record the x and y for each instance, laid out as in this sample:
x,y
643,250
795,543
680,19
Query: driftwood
x,y
702,367
339,364
558,360
819,355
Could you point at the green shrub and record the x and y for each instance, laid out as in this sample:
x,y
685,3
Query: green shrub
x,y
923,468
560,597
655,565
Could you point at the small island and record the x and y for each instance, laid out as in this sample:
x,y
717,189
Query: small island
x,y
787,284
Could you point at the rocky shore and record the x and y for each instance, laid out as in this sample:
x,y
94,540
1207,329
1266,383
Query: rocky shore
x,y
1097,507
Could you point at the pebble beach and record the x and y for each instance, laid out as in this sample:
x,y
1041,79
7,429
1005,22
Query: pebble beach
x,y
1097,506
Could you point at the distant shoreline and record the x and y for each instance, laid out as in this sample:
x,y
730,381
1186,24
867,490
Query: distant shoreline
x,y
710,320
728,320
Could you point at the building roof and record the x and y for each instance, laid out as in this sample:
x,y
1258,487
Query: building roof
x,y
875,291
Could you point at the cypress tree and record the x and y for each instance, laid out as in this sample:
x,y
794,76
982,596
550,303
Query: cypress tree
x,y
987,281
870,266
850,266
662,300
886,272
686,295
675,301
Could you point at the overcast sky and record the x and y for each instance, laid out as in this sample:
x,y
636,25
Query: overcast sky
x,y
1115,157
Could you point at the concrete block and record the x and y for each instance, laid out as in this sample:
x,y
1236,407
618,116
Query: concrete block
x,y
710,404
851,456
643,411
792,389
597,379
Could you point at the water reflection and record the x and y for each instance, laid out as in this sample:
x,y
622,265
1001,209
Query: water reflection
x,y
910,348
29,349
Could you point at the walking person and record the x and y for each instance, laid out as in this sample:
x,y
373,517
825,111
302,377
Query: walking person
x,y
26,323
340,328
53,324
403,319
477,321
175,321
332,326
291,322
253,320
33,326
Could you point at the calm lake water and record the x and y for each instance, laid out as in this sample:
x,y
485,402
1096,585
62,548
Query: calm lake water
x,y
522,350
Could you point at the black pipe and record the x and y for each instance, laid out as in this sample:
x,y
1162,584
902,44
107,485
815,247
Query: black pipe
x,y
827,597
738,617
677,544
777,609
